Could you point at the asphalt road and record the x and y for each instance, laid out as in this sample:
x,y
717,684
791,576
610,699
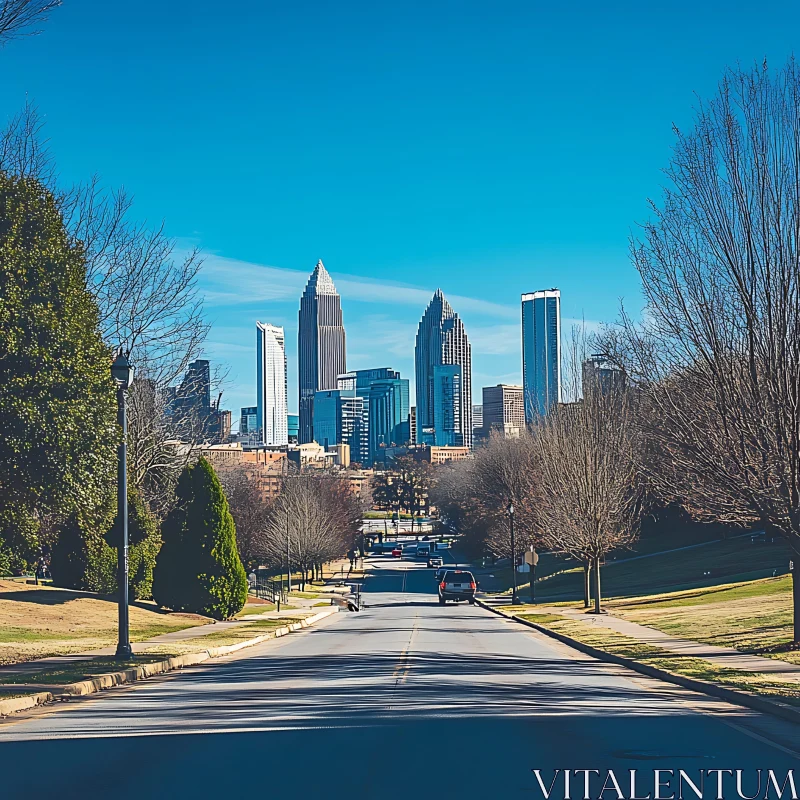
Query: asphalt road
x,y
404,699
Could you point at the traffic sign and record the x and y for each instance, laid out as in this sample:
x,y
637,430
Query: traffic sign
x,y
531,557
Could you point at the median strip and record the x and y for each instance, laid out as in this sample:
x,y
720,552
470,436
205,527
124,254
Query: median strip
x,y
97,683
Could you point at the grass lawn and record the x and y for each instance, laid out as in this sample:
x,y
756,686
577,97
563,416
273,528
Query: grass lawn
x,y
37,622
752,617
715,563
625,646
261,608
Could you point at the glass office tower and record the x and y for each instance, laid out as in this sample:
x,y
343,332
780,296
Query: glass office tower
x,y
321,345
442,340
541,351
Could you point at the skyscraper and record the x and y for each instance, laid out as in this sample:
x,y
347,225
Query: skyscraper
x,y
503,409
195,388
447,406
599,372
321,345
442,340
271,385
541,351
386,399
341,416
248,421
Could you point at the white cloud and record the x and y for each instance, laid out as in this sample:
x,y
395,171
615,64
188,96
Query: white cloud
x,y
229,281
497,340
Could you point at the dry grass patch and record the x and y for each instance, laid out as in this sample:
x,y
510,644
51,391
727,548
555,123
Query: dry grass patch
x,y
39,621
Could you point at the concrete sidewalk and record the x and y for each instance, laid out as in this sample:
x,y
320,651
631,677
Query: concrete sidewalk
x,y
721,656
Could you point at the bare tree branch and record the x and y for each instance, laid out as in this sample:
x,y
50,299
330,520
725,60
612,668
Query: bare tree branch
x,y
18,17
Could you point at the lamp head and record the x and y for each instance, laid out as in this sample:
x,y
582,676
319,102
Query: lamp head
x,y
122,371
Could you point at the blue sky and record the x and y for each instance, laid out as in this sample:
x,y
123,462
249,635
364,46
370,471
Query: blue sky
x,y
487,148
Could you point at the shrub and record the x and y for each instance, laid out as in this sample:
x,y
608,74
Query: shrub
x,y
198,568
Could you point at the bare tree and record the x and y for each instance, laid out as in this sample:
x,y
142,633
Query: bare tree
x,y
588,501
250,513
24,149
502,474
457,506
19,18
718,351
315,519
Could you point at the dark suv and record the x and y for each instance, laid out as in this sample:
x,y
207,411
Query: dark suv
x,y
457,584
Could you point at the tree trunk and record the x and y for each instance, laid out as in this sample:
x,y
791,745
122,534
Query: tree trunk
x,y
587,584
597,586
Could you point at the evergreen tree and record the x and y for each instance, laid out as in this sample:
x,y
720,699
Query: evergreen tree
x,y
198,568
81,557
57,409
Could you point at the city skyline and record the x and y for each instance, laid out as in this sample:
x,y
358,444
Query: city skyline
x,y
441,337
563,166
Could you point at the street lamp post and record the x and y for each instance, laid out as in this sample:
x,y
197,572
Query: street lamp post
x,y
514,598
122,373
288,556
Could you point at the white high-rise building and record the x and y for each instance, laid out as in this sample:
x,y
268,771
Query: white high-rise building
x,y
271,384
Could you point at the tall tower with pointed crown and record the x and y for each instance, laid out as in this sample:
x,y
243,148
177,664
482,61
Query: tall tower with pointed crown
x,y
321,345
442,342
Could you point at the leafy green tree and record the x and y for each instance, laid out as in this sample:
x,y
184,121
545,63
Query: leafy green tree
x,y
57,409
144,539
198,568
70,556
81,557
144,542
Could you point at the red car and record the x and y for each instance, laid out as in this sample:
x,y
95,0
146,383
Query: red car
x,y
397,552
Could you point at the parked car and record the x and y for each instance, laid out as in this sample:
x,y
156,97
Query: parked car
x,y
435,561
457,584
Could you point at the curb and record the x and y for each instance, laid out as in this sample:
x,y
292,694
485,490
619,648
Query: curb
x,y
111,679
735,696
